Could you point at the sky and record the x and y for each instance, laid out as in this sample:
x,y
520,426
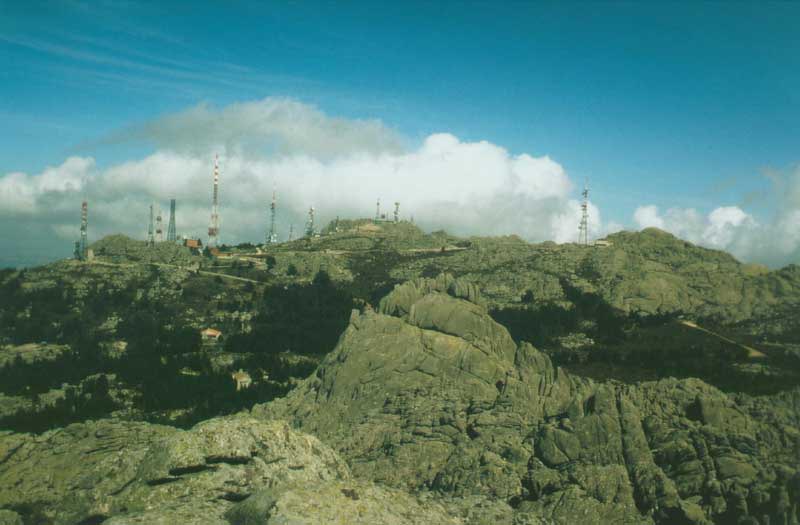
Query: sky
x,y
482,118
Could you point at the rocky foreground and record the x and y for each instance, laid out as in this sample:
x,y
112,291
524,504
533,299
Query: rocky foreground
x,y
427,411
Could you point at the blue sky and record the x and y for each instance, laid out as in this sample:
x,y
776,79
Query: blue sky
x,y
673,104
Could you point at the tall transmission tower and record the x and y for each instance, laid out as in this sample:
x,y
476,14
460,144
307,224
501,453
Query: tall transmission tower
x,y
272,236
151,239
159,227
378,210
84,246
583,229
213,227
172,235
291,233
310,223
396,212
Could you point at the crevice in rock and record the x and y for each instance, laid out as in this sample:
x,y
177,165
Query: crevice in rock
x,y
235,497
123,487
589,405
161,481
94,519
212,460
193,469
11,453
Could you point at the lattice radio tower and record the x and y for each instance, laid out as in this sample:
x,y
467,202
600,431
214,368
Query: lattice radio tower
x,y
171,233
378,210
213,227
83,248
159,226
272,235
151,240
583,229
396,212
310,223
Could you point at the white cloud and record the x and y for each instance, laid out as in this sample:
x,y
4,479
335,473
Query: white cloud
x,y
775,241
647,217
23,194
339,166
277,126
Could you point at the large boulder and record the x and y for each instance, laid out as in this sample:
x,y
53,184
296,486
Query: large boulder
x,y
433,394
345,503
227,470
109,468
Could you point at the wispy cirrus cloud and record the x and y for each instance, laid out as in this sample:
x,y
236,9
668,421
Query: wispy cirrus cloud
x,y
99,59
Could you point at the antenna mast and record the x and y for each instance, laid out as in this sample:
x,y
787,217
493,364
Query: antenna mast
x,y
272,236
84,244
151,240
213,227
171,234
159,227
310,223
396,212
583,229
378,210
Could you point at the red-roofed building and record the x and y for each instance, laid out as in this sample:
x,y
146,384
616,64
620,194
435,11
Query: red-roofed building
x,y
210,334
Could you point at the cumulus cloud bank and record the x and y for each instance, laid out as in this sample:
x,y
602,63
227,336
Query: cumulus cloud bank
x,y
774,242
339,166
273,126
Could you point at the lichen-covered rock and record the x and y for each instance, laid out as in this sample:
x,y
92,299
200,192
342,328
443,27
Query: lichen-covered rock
x,y
400,300
71,473
435,396
345,503
9,517
146,473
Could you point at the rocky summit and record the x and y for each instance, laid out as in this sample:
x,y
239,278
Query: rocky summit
x,y
429,393
402,378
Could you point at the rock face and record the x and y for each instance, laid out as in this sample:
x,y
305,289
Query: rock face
x,y
647,272
353,502
256,471
427,411
119,248
432,394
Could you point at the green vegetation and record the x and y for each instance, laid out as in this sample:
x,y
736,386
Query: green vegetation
x,y
608,313
661,385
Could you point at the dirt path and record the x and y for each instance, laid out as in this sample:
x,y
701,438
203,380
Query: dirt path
x,y
752,353
203,272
